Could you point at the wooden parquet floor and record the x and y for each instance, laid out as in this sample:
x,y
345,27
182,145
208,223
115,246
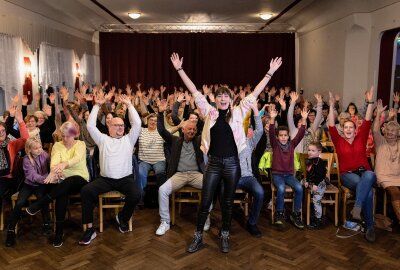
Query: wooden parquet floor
x,y
286,248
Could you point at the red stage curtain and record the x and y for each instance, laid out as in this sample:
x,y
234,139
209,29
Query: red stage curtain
x,y
234,59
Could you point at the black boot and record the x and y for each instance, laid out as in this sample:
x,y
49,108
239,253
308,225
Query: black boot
x,y
197,242
10,241
224,235
316,224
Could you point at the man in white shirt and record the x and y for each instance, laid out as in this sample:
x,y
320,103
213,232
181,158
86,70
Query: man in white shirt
x,y
115,160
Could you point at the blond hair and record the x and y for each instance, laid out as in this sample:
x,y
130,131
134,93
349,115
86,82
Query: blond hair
x,y
28,146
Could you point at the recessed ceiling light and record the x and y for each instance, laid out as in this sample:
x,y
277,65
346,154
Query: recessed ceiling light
x,y
134,15
265,16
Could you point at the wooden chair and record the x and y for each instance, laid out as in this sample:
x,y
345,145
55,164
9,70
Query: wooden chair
x,y
242,198
106,201
31,198
265,177
289,198
186,194
2,216
48,147
330,189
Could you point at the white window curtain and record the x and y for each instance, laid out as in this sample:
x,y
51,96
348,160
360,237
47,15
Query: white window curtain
x,y
56,66
11,69
90,69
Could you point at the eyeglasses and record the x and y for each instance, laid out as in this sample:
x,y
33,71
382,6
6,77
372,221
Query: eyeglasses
x,y
120,126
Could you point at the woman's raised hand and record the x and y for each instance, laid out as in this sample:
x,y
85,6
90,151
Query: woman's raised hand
x,y
275,64
176,61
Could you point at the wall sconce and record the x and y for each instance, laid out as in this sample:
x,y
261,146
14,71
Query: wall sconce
x,y
265,16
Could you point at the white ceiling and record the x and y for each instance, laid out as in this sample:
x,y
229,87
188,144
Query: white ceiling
x,y
176,15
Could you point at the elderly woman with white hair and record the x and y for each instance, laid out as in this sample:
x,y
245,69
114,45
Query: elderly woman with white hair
x,y
387,167
69,174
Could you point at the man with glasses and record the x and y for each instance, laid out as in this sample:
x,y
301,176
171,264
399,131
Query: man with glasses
x,y
115,160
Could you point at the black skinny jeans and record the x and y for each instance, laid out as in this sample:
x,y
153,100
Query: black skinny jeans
x,y
226,171
60,192
23,195
126,185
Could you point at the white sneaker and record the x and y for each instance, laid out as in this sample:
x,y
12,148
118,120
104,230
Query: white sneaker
x,y
207,225
269,207
164,227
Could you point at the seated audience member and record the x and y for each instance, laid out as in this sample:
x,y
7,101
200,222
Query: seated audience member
x,y
8,152
247,180
355,172
387,166
36,166
115,167
151,153
316,175
283,168
186,165
68,172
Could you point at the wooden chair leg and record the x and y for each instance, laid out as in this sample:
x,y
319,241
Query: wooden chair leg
x,y
384,203
173,208
101,217
246,205
344,208
130,224
2,216
308,206
336,209
273,208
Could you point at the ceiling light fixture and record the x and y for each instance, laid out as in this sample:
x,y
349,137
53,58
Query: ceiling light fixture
x,y
265,16
134,15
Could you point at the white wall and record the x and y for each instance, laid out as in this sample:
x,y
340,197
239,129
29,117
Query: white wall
x,y
342,56
34,28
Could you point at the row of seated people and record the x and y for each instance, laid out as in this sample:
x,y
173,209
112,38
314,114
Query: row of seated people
x,y
70,170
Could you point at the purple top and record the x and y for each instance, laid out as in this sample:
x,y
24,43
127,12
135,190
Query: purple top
x,y
37,172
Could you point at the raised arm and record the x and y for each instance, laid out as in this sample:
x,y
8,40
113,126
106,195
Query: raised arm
x,y
318,115
162,106
273,66
293,98
377,125
96,135
134,119
370,97
258,131
331,115
177,62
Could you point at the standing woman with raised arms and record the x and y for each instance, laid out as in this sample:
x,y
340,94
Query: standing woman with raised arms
x,y
223,138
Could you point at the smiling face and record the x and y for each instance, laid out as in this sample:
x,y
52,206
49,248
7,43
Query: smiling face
x,y
283,136
349,129
117,128
189,130
36,149
391,131
31,122
152,123
223,98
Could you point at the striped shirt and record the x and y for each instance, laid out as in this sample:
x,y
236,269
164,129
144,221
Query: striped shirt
x,y
151,146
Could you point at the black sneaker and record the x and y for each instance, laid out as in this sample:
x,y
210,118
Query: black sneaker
x,y
10,241
123,226
316,224
253,230
88,236
369,235
279,218
46,229
58,240
197,242
295,217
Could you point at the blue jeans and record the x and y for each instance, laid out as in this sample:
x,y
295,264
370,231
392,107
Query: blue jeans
x,y
159,170
280,181
362,186
250,184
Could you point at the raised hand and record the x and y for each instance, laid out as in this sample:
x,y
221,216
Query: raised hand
x,y
176,61
181,97
100,99
47,110
12,110
125,99
14,100
293,97
332,99
304,113
392,113
274,64
370,94
162,105
162,88
273,114
187,96
379,107
318,97
396,97
25,100
282,103
128,89
18,116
